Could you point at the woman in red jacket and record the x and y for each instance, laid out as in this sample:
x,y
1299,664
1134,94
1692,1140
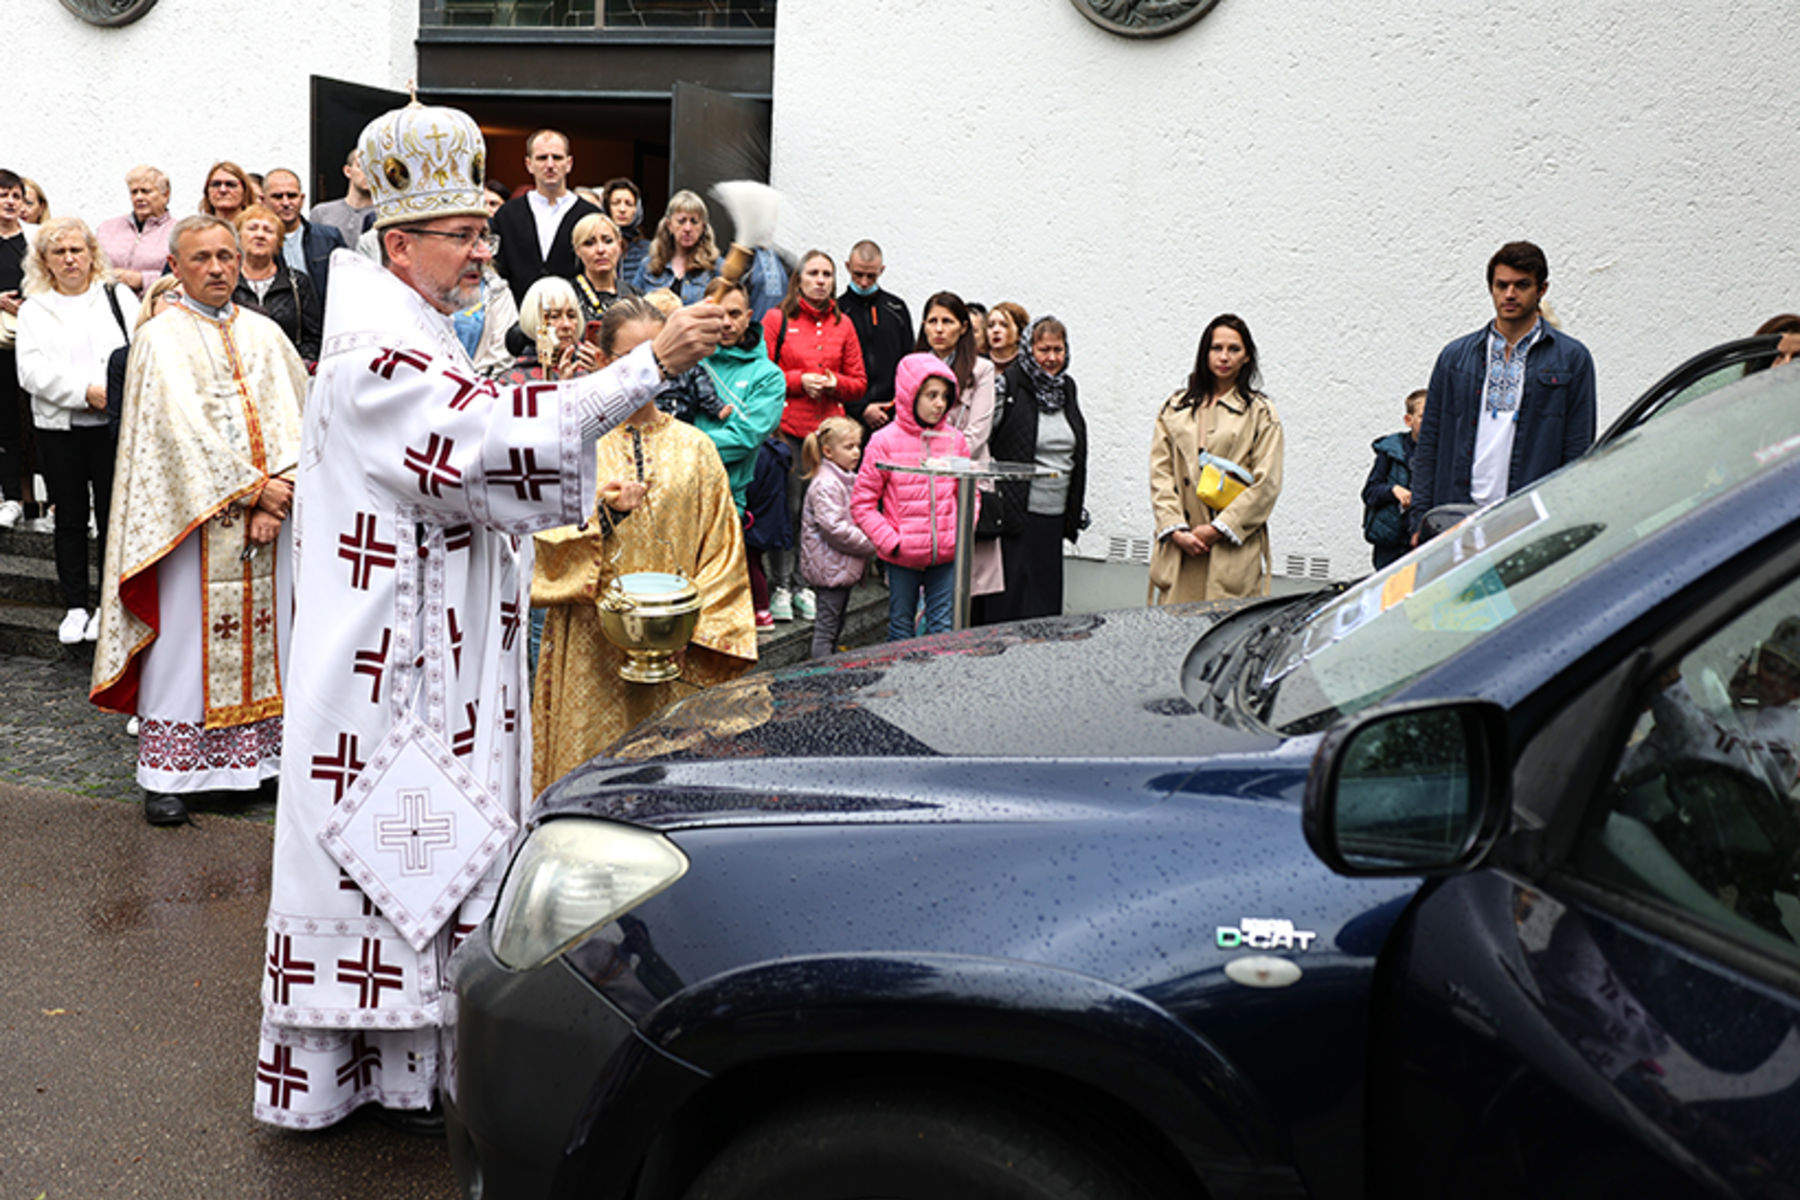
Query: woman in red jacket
x,y
816,348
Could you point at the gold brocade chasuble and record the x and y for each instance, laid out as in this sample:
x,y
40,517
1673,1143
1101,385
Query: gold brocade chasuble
x,y
212,412
687,523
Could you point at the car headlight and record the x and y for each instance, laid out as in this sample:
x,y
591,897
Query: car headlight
x,y
573,876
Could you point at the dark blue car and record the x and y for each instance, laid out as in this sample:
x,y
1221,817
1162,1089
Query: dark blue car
x,y
1479,878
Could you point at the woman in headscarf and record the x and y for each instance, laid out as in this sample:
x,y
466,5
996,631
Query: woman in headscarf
x,y
1205,552
624,203
1039,422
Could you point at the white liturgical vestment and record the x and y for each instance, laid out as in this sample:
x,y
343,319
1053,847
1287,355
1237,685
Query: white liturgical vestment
x,y
405,751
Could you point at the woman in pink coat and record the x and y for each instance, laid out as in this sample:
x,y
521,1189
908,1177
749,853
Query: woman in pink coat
x,y
912,518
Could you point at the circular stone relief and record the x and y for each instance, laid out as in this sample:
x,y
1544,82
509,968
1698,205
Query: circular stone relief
x,y
109,12
1140,18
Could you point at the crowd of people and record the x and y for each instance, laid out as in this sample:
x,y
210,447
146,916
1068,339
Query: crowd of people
x,y
462,416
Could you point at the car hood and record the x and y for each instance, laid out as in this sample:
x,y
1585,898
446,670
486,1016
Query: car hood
x,y
1071,712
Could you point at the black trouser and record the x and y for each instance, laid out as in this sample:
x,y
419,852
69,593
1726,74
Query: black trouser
x,y
75,459
1033,563
12,433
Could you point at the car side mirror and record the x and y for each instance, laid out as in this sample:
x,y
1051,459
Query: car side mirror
x,y
1410,789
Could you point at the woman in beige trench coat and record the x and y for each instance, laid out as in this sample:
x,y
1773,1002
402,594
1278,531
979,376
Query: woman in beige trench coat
x,y
1201,554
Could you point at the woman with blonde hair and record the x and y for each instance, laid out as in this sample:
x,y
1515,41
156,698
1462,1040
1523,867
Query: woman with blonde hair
x,y
37,206
77,315
684,257
551,320
600,248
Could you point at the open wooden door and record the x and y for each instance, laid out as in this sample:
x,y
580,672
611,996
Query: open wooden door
x,y
340,111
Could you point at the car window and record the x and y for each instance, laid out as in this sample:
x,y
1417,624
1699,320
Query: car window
x,y
1495,568
1701,814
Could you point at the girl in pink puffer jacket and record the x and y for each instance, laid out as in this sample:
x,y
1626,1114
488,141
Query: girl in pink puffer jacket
x,y
912,518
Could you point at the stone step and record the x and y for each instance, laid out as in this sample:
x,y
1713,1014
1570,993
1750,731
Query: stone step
x,y
30,630
790,642
30,580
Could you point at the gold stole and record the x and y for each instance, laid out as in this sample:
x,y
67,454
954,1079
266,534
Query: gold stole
x,y
237,594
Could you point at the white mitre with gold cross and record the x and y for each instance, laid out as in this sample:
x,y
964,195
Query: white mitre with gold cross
x,y
424,162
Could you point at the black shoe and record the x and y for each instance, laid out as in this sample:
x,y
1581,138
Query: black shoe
x,y
160,808
420,1122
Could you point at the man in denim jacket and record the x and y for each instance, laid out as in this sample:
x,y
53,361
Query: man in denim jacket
x,y
1509,403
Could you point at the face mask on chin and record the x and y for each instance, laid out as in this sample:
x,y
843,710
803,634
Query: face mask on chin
x,y
860,290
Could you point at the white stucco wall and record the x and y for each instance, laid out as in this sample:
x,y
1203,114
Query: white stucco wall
x,y
1338,174
192,82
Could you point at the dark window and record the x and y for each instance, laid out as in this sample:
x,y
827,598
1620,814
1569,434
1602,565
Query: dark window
x,y
1702,814
607,14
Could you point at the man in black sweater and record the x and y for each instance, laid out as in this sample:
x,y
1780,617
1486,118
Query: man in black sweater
x,y
884,329
535,228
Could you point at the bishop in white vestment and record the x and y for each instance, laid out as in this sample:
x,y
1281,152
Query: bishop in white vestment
x,y
406,748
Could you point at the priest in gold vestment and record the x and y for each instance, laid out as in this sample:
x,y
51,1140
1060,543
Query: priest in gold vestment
x,y
195,595
665,505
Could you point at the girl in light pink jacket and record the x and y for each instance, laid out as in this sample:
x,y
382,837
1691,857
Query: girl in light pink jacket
x,y
834,551
910,517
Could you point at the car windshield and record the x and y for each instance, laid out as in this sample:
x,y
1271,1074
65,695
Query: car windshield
x,y
1371,640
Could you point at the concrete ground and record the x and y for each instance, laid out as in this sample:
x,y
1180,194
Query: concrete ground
x,y
129,1005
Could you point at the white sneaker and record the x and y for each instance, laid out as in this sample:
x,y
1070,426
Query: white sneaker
x,y
91,631
43,524
781,604
131,727
805,607
10,512
74,625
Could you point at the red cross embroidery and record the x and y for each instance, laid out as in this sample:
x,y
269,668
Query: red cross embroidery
x,y
226,627
467,389
373,663
459,537
386,362
364,551
509,623
432,466
263,620
358,1071
464,740
525,398
341,770
456,639
284,969
283,1077
347,884
369,974
524,475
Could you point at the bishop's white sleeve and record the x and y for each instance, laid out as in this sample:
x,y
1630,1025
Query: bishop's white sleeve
x,y
455,447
